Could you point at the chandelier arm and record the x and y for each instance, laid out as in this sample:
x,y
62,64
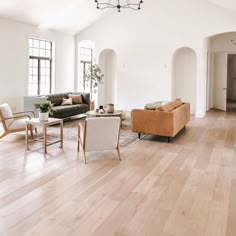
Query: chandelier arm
x,y
107,4
135,9
133,6
101,8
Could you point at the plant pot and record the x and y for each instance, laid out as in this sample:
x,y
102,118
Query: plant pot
x,y
43,116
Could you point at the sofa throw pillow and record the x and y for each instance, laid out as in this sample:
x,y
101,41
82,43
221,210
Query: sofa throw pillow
x,y
152,105
76,99
66,101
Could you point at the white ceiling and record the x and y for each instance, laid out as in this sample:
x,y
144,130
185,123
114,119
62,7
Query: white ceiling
x,y
68,16
228,4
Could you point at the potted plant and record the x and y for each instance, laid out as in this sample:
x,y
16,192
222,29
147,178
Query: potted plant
x,y
45,109
95,76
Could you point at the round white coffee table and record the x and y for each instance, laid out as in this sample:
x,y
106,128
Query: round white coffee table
x,y
105,114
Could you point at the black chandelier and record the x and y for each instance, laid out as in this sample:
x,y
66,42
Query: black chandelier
x,y
133,4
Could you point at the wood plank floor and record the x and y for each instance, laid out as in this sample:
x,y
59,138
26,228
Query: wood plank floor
x,y
183,188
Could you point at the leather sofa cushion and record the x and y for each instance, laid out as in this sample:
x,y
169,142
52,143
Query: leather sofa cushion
x,y
177,102
171,105
69,110
76,98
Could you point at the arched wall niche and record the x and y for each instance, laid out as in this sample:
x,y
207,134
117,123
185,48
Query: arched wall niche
x,y
107,91
184,76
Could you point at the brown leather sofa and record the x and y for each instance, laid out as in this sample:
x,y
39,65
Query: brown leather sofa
x,y
167,120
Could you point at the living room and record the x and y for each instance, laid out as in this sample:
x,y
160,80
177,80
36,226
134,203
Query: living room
x,y
161,52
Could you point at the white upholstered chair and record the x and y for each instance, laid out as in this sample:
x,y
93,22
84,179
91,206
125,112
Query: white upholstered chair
x,y
98,134
13,122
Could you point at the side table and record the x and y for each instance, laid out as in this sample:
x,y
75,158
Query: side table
x,y
44,125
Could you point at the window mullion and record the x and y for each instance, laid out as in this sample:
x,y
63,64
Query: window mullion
x,y
39,76
50,77
84,76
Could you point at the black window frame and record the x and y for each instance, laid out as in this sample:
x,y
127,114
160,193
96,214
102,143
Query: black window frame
x,y
84,63
39,59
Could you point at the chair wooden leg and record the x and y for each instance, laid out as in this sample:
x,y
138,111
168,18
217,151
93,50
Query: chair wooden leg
x,y
78,144
84,156
78,148
3,135
118,152
31,132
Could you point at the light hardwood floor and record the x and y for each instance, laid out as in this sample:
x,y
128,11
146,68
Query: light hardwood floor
x,y
183,188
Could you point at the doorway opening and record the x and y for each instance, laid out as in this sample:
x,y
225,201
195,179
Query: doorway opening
x,y
231,83
222,72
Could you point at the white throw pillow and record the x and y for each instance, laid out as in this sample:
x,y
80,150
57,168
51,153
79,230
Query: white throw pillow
x,y
66,101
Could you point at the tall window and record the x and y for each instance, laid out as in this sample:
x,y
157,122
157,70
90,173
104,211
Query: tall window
x,y
86,59
40,67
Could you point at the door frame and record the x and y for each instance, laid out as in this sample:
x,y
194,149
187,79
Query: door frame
x,y
210,78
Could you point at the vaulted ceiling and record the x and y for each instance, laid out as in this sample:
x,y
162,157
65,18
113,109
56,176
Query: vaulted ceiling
x,y
68,16
228,4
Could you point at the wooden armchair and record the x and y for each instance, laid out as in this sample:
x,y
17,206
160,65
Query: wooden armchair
x,y
14,122
98,134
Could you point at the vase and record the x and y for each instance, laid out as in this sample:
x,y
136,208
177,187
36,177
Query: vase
x,y
43,116
110,108
92,105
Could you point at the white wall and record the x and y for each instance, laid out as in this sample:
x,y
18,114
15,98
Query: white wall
x,y
145,42
14,60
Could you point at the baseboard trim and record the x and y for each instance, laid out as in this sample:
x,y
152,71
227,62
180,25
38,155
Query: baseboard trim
x,y
200,115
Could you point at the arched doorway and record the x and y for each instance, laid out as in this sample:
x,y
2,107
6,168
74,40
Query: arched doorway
x,y
222,72
184,76
107,92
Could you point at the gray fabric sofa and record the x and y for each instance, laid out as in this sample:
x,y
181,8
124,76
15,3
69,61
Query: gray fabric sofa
x,y
66,111
63,112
